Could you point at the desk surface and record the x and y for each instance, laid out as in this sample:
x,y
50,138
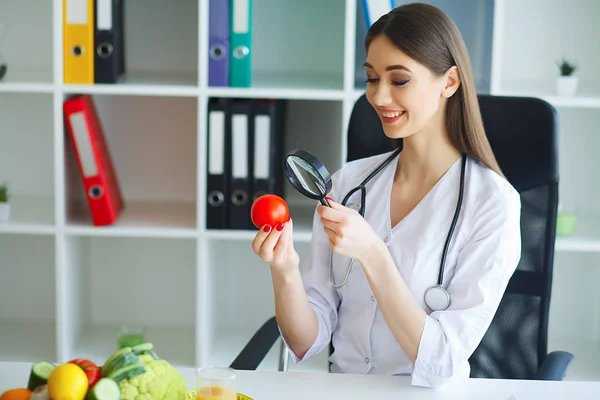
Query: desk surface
x,y
319,385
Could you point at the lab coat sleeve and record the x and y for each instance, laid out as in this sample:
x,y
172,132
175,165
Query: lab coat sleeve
x,y
484,267
323,299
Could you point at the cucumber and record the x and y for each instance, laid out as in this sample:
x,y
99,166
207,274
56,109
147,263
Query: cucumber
x,y
114,355
127,372
40,371
104,389
119,362
142,348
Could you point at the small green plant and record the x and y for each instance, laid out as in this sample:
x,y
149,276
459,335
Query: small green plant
x,y
566,67
3,193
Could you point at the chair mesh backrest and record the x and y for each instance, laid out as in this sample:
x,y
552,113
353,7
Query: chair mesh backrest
x,y
523,136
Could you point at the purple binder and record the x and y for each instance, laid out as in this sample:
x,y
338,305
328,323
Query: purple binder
x,y
218,42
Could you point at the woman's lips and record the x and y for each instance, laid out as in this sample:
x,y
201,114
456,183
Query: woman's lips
x,y
391,117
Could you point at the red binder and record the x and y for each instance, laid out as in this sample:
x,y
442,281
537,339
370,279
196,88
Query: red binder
x,y
93,157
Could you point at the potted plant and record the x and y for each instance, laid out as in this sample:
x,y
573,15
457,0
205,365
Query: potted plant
x,y
4,203
566,83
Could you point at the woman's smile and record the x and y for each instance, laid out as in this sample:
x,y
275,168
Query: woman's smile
x,y
391,117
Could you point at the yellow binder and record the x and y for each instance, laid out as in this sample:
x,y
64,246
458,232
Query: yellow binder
x,y
78,41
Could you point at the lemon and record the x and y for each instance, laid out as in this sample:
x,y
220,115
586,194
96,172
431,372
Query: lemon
x,y
67,382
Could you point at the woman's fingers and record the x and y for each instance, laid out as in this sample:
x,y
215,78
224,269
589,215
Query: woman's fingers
x,y
259,239
266,251
283,243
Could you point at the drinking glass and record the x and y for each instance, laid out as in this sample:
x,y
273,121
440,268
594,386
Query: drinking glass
x,y
215,383
130,336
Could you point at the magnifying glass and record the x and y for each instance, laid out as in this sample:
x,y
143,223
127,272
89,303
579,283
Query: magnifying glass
x,y
308,175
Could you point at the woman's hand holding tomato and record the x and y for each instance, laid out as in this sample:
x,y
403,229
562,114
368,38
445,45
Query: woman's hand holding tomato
x,y
274,241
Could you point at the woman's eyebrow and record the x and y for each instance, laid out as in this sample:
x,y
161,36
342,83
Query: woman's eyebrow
x,y
389,67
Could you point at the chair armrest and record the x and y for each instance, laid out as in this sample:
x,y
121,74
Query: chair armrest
x,y
258,347
554,366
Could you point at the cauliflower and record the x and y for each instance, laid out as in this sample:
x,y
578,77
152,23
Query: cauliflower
x,y
160,382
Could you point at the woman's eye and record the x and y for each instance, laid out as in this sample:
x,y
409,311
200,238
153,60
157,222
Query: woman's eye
x,y
371,80
400,83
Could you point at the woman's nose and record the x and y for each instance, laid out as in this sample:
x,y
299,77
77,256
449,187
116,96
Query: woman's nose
x,y
382,95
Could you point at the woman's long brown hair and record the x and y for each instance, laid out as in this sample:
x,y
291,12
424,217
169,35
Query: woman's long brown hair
x,y
429,36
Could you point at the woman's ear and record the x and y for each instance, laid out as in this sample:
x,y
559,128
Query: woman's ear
x,y
452,81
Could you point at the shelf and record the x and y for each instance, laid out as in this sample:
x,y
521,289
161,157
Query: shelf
x,y
283,46
587,95
27,298
27,341
27,160
161,50
286,86
585,236
144,83
531,46
152,141
23,80
26,45
145,282
142,219
30,214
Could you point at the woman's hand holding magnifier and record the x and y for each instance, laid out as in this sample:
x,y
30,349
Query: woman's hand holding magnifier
x,y
350,235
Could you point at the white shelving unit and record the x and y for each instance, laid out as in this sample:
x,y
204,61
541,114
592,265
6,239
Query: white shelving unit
x,y
66,286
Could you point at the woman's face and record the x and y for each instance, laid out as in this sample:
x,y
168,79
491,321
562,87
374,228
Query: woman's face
x,y
405,94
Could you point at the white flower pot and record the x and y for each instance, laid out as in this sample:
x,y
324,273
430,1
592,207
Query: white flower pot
x,y
566,85
4,211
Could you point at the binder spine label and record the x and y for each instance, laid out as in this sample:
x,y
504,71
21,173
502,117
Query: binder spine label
x,y
104,16
83,144
240,16
240,146
77,12
216,143
262,133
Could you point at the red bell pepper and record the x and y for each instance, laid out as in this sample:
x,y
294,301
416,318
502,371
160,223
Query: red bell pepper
x,y
91,370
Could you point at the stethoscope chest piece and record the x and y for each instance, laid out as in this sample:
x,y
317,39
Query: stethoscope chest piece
x,y
437,298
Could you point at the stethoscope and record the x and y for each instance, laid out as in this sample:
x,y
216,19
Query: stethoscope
x,y
310,177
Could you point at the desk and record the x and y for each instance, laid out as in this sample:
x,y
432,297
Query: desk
x,y
324,386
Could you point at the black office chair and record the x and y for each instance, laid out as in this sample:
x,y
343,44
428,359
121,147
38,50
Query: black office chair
x,y
523,135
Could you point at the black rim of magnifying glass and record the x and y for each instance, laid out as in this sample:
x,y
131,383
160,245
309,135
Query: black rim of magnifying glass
x,y
319,168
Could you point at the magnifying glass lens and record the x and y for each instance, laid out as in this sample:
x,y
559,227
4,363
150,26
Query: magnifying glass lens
x,y
307,174
306,177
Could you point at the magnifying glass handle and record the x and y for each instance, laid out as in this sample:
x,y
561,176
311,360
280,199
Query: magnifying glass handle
x,y
325,202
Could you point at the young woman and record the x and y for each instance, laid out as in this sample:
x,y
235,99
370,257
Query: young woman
x,y
393,314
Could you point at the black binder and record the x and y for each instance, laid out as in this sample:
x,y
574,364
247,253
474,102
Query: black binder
x,y
240,200
109,57
218,163
268,147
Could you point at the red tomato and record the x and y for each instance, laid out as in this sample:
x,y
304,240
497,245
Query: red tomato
x,y
91,370
269,209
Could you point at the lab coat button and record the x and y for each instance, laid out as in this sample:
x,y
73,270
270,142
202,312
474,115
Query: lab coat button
x,y
385,239
372,298
367,360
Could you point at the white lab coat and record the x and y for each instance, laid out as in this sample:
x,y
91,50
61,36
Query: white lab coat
x,y
482,256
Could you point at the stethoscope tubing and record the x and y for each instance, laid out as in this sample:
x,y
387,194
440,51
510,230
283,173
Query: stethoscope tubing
x,y
362,188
